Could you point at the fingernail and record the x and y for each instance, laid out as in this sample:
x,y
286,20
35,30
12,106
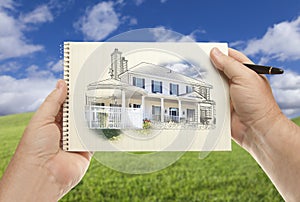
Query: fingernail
x,y
59,84
217,52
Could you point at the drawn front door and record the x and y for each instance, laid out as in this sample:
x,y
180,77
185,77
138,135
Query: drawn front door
x,y
174,114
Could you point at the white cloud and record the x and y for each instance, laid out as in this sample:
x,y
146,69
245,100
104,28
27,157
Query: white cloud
x,y
133,21
23,95
6,4
13,42
99,21
12,66
26,94
139,2
128,19
287,92
288,81
179,67
34,72
56,67
102,19
39,15
161,34
280,42
186,69
119,2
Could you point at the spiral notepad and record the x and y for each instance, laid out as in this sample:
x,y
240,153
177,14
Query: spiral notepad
x,y
65,135
135,96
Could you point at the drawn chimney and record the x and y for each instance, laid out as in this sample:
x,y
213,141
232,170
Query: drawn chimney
x,y
118,64
124,64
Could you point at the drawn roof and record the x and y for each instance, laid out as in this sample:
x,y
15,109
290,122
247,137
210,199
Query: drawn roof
x,y
162,72
114,84
192,95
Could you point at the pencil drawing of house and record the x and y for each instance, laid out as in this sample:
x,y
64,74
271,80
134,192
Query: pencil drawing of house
x,y
147,92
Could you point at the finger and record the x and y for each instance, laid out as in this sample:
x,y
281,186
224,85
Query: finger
x,y
52,104
242,58
87,155
59,116
239,56
231,67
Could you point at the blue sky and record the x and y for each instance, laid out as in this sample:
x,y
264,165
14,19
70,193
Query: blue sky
x,y
31,33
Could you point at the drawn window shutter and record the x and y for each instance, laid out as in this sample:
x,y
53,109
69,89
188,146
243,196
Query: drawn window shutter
x,y
152,86
161,87
174,89
134,81
144,83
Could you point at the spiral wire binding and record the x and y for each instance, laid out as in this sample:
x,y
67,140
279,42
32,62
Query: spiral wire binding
x,y
66,64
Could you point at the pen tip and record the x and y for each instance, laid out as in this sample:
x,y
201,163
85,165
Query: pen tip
x,y
277,71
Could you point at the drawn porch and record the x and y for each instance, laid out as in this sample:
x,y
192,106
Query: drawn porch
x,y
129,109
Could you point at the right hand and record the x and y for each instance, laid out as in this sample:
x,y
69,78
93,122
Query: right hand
x,y
258,125
252,102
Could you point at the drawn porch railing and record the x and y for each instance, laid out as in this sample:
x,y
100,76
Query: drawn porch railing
x,y
105,117
205,120
167,118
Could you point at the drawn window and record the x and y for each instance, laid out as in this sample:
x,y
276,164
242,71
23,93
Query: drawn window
x,y
189,89
139,82
115,105
190,114
136,106
205,92
174,89
206,112
156,113
98,104
156,86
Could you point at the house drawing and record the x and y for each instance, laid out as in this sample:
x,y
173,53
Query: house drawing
x,y
147,92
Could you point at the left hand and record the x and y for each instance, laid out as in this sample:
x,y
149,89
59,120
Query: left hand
x,y
40,170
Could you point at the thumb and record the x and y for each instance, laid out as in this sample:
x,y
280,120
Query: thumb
x,y
52,104
232,68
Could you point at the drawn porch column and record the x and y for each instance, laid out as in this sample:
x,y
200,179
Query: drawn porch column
x,y
143,106
162,109
199,113
179,110
90,116
214,113
123,115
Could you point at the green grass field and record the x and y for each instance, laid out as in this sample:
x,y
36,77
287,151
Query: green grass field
x,y
222,176
297,120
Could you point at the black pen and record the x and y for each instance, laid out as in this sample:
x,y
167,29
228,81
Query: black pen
x,y
260,69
